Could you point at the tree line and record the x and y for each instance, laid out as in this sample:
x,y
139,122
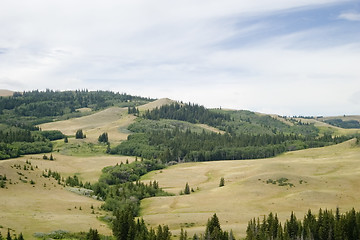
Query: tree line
x,y
325,225
177,145
54,103
15,142
192,113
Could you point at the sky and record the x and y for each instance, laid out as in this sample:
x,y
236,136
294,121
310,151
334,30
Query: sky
x,y
299,57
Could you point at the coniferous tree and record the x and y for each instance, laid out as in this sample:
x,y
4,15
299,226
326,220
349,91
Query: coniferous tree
x,y
103,138
222,182
124,225
187,189
213,230
8,237
183,234
79,134
21,237
92,235
108,148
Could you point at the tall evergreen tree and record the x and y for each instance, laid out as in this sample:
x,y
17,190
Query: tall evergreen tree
x,y
21,237
222,182
8,237
183,234
92,235
187,189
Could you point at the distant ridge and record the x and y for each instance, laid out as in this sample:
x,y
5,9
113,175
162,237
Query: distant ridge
x,y
6,93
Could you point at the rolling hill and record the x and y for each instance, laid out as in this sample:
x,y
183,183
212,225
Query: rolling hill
x,y
323,178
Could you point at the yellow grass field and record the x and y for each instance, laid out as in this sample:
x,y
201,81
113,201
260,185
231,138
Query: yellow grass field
x,y
6,93
323,178
30,208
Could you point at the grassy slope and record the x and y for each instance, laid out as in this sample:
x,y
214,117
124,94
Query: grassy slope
x,y
113,120
332,176
34,208
327,128
6,93
31,209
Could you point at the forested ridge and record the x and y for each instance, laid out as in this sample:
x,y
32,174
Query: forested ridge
x,y
36,106
247,135
188,146
192,113
231,121
20,114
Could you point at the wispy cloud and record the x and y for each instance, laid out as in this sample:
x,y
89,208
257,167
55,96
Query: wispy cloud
x,y
350,16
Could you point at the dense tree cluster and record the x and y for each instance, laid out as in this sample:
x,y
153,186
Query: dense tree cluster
x,y
120,187
133,110
343,124
56,103
187,112
238,122
326,225
15,142
79,134
125,227
188,146
16,135
52,135
103,138
253,123
130,172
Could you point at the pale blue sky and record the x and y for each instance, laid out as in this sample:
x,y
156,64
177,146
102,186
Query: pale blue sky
x,y
284,57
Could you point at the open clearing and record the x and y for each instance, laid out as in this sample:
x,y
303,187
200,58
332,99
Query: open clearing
x,y
322,178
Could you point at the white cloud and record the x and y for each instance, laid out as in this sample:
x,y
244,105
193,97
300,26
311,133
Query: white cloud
x,y
174,49
350,16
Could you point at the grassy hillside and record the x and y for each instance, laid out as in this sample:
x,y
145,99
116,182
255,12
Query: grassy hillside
x,y
113,120
325,128
6,93
322,178
47,206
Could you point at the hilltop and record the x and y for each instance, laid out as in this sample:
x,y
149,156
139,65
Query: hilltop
x,y
6,93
